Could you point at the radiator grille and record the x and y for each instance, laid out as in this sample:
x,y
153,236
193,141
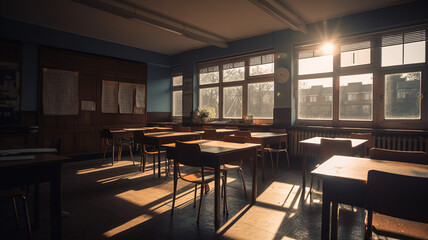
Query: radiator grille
x,y
394,141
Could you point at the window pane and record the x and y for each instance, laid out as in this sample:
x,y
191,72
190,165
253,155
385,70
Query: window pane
x,y
402,95
314,65
261,65
232,102
233,72
209,75
177,80
356,97
260,100
177,103
355,58
208,97
414,52
261,69
315,99
392,55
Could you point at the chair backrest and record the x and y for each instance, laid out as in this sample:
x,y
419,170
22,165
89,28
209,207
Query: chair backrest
x,y
56,143
210,134
196,128
237,139
230,127
176,128
330,147
185,129
246,134
398,196
278,130
207,127
138,136
368,136
188,154
419,157
105,133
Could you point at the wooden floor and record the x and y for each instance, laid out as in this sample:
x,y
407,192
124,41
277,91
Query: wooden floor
x,y
119,202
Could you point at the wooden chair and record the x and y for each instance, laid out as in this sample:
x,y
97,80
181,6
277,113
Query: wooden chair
x,y
12,194
282,147
397,207
234,166
330,147
189,154
370,141
231,127
418,157
146,151
107,138
205,127
185,129
210,134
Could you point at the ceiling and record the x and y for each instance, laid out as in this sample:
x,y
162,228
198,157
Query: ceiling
x,y
173,26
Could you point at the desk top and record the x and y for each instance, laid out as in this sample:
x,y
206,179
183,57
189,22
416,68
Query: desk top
x,y
170,134
317,141
357,168
218,147
219,130
140,129
27,151
267,134
38,159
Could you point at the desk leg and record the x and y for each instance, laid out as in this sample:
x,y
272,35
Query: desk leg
x,y
254,195
217,197
334,220
56,204
325,223
159,161
36,206
304,160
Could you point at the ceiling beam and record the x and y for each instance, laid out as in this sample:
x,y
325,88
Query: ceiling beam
x,y
283,14
139,14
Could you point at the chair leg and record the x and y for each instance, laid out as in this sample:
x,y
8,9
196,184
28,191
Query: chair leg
x,y
104,157
16,212
194,199
310,188
271,162
154,165
119,154
225,206
130,152
243,182
200,203
112,156
175,192
142,160
288,158
28,217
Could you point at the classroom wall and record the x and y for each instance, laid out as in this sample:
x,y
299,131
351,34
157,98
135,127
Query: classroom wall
x,y
32,37
282,42
158,89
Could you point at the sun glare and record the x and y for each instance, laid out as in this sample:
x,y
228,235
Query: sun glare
x,y
328,48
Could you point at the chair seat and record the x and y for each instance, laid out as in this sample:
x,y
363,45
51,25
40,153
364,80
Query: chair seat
x,y
196,176
154,152
227,167
399,228
275,149
13,192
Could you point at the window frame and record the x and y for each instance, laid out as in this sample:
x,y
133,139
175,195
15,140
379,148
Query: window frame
x,y
244,83
378,72
174,73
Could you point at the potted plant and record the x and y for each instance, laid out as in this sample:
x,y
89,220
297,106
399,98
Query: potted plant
x,y
206,113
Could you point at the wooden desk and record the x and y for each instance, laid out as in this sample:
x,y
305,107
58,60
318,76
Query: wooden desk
x,y
148,129
44,167
312,146
344,181
265,139
221,132
159,138
19,151
216,153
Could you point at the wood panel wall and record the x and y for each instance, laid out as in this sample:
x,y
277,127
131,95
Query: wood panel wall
x,y
80,133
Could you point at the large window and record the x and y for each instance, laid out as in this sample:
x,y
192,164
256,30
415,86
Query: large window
x,y
177,92
382,71
239,86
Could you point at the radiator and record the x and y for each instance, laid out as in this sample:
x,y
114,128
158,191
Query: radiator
x,y
394,141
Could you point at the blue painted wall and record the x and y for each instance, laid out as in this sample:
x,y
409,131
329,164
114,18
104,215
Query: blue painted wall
x,y
158,89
